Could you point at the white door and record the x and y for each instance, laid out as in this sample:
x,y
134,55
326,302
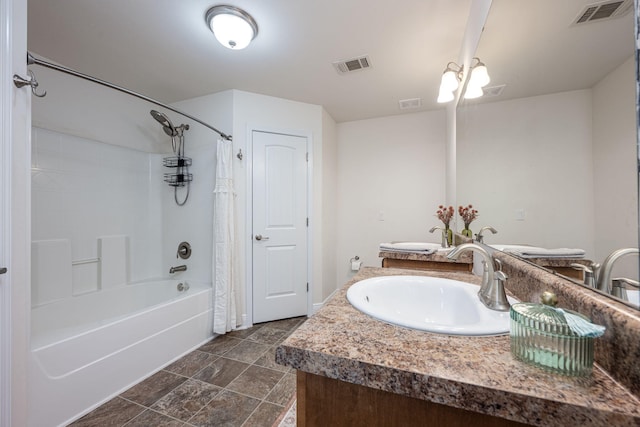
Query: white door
x,y
279,232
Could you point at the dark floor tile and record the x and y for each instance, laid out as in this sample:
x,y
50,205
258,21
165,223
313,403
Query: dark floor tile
x,y
256,381
247,351
267,335
153,388
282,393
227,409
221,372
220,345
115,412
244,333
149,418
286,324
191,363
264,416
187,399
268,360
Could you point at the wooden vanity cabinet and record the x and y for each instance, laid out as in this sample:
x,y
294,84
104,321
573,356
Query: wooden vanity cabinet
x,y
324,402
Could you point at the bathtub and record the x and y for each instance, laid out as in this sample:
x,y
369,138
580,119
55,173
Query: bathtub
x,y
89,348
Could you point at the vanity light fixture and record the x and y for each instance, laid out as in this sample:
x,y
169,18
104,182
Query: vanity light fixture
x,y
233,27
479,79
450,81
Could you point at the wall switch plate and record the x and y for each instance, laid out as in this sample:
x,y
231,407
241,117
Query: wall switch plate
x,y
381,216
521,214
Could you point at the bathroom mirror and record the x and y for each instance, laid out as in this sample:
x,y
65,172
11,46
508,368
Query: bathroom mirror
x,y
550,159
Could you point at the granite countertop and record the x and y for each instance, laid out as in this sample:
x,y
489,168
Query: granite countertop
x,y
472,373
439,256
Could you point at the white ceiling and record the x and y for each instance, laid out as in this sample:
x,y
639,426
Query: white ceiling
x,y
163,49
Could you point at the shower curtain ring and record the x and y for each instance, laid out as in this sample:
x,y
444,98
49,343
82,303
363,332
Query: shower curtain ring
x,y
21,82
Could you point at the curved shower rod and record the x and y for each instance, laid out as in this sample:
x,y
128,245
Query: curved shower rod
x,y
37,61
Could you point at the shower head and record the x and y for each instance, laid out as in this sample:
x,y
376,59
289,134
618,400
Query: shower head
x,y
167,126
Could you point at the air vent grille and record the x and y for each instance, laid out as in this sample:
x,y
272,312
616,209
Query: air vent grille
x,y
603,11
353,64
493,91
410,104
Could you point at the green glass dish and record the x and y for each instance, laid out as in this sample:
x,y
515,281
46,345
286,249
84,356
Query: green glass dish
x,y
540,336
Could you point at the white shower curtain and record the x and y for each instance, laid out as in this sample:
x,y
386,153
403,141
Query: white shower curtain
x,y
227,290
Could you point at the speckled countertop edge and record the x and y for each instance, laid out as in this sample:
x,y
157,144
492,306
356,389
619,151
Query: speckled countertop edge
x,y
476,374
439,256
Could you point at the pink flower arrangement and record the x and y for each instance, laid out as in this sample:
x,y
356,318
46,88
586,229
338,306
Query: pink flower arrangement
x,y
445,214
468,214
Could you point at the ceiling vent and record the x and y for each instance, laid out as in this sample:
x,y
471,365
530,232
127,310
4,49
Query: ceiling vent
x,y
410,104
603,11
492,91
353,64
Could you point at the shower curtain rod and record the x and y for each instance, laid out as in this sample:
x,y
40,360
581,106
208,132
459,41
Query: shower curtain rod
x,y
37,61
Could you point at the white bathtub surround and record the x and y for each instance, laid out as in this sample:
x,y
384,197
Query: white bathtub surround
x,y
50,270
227,289
113,268
92,347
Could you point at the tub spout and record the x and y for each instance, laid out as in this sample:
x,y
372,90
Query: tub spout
x,y
177,268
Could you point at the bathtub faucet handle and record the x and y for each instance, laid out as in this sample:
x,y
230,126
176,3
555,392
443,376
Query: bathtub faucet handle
x,y
184,250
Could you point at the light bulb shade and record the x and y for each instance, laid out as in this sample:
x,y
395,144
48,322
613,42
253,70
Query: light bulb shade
x,y
479,76
445,96
234,28
473,91
449,81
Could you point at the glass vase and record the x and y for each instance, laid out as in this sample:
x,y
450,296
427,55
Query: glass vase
x,y
449,234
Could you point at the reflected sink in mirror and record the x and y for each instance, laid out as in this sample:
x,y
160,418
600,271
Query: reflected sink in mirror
x,y
429,304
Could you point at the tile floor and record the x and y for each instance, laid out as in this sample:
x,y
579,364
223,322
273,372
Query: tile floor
x,y
232,380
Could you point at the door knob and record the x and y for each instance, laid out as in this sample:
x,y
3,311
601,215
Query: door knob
x,y
3,270
260,237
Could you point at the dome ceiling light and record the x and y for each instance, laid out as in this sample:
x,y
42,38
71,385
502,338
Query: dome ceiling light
x,y
233,27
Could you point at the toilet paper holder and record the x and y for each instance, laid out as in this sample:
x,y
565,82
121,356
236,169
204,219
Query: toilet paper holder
x,y
355,263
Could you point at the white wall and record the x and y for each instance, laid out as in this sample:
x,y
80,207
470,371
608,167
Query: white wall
x,y
266,112
81,108
329,220
615,158
391,179
15,202
534,155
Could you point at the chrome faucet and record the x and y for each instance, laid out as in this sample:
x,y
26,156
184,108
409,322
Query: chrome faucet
x,y
445,239
177,268
480,237
589,272
604,278
491,293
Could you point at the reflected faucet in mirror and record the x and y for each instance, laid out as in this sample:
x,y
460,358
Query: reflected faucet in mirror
x,y
492,293
480,237
589,273
604,277
445,239
619,287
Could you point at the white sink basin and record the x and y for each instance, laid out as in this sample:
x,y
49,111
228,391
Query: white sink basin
x,y
428,304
